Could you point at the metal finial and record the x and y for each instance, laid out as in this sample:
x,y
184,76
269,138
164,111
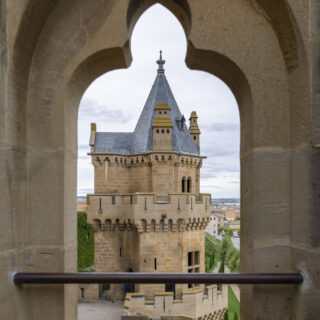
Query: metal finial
x,y
161,63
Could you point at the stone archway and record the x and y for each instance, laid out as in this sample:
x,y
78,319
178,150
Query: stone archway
x,y
256,47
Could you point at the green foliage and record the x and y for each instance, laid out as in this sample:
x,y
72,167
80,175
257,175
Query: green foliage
x,y
232,255
221,252
233,305
212,252
85,244
228,232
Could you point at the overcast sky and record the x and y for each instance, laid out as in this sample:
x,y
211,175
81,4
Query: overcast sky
x,y
114,101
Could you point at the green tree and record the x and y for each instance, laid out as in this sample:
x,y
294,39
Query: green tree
x,y
85,243
221,252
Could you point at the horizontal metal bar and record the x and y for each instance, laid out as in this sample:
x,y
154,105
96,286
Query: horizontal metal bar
x,y
152,278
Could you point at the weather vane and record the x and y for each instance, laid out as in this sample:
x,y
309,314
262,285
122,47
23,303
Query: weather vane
x,y
161,63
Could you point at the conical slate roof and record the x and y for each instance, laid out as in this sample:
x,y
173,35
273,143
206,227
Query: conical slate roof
x,y
140,141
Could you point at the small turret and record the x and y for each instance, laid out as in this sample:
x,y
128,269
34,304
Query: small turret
x,y
162,128
93,130
194,129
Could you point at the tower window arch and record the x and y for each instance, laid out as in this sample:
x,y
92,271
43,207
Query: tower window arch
x,y
183,184
189,184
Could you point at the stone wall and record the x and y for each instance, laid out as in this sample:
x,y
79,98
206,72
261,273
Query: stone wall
x,y
116,251
185,210
156,172
265,51
157,250
195,303
111,178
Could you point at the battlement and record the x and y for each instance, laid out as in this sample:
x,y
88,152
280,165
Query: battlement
x,y
195,303
147,159
149,211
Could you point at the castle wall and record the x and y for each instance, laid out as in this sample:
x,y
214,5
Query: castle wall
x,y
140,178
188,171
107,257
163,178
189,210
194,303
111,178
163,251
116,251
158,173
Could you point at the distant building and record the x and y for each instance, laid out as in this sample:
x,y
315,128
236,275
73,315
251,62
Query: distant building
x,y
217,222
232,214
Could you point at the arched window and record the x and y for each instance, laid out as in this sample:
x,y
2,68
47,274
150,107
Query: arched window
x,y
183,184
189,184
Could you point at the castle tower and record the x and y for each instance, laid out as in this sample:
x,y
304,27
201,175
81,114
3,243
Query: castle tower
x,y
148,212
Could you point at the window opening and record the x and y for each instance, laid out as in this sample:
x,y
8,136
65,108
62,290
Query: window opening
x,y
189,185
82,293
183,185
193,264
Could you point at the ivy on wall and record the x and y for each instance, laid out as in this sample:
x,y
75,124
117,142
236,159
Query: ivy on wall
x,y
85,244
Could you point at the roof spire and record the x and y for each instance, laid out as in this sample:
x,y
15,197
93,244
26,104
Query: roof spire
x,y
161,63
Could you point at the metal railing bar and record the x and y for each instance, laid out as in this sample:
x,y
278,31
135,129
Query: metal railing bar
x,y
155,278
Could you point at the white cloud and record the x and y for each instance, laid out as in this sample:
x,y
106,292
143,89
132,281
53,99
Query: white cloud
x,y
114,101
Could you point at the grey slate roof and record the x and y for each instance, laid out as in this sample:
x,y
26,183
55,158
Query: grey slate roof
x,y
140,141
113,142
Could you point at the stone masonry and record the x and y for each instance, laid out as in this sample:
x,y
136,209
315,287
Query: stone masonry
x,y
266,51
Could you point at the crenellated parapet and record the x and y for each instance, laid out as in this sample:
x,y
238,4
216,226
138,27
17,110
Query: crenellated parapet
x,y
149,212
195,303
147,159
